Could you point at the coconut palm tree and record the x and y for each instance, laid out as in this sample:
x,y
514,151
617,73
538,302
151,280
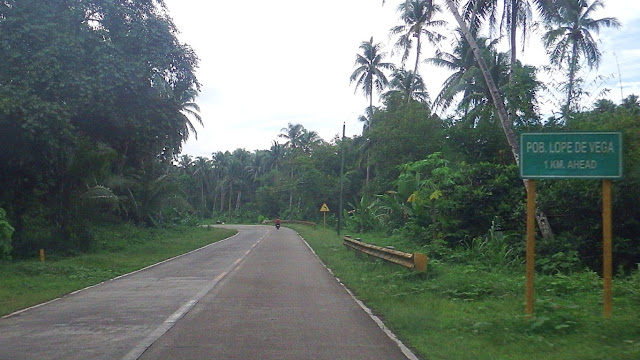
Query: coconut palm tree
x,y
309,140
189,109
569,38
185,163
238,175
417,16
276,155
467,79
458,62
409,84
516,14
202,173
184,100
496,97
221,164
369,73
293,134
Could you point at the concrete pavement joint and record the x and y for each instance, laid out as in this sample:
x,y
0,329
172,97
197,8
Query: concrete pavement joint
x,y
171,320
184,309
405,350
115,278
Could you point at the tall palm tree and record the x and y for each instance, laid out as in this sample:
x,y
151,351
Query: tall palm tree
x,y
293,134
185,162
496,97
309,140
203,168
189,109
417,16
569,38
467,79
222,165
515,14
276,155
257,164
369,75
238,175
409,84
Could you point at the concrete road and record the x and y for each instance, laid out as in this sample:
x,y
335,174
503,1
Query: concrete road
x,y
261,294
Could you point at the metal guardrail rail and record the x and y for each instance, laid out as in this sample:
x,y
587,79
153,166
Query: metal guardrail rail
x,y
415,261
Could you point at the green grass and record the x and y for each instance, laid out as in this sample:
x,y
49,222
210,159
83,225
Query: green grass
x,y
118,250
463,312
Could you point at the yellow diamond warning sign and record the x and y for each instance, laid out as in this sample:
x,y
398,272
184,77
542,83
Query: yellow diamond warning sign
x,y
324,208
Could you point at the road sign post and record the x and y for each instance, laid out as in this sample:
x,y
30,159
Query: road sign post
x,y
531,244
324,209
571,155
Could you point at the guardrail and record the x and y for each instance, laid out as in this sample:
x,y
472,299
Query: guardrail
x,y
416,261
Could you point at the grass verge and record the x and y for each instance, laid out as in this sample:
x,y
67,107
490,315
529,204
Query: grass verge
x,y
118,250
459,312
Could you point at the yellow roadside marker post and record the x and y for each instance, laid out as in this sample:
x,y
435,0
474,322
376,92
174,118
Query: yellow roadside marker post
x,y
607,267
531,245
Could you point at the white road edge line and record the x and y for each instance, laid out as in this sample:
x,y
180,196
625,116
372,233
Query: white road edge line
x,y
405,350
115,278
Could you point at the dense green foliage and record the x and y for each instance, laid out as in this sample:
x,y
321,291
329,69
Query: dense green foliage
x,y
92,95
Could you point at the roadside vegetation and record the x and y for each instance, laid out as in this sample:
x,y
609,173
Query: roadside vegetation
x,y
472,307
119,249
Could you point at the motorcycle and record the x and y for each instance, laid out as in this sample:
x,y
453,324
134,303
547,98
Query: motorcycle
x,y
278,226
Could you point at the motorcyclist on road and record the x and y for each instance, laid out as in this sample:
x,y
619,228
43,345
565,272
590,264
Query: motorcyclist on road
x,y
277,221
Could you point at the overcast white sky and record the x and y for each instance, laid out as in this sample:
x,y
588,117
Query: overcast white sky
x,y
264,64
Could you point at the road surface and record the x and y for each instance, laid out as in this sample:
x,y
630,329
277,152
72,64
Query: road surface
x,y
261,294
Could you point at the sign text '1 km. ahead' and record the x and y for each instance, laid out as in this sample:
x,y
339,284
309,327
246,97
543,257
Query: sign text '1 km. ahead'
x,y
582,155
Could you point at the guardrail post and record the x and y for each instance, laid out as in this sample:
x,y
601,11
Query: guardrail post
x,y
420,262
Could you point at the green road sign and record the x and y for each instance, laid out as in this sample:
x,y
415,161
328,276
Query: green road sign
x,y
578,155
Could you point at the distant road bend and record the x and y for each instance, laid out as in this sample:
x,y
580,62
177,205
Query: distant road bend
x,y
261,294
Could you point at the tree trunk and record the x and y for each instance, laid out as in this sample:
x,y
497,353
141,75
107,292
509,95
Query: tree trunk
x,y
230,197
203,199
238,199
291,191
366,180
221,199
415,68
418,50
572,76
505,120
514,18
